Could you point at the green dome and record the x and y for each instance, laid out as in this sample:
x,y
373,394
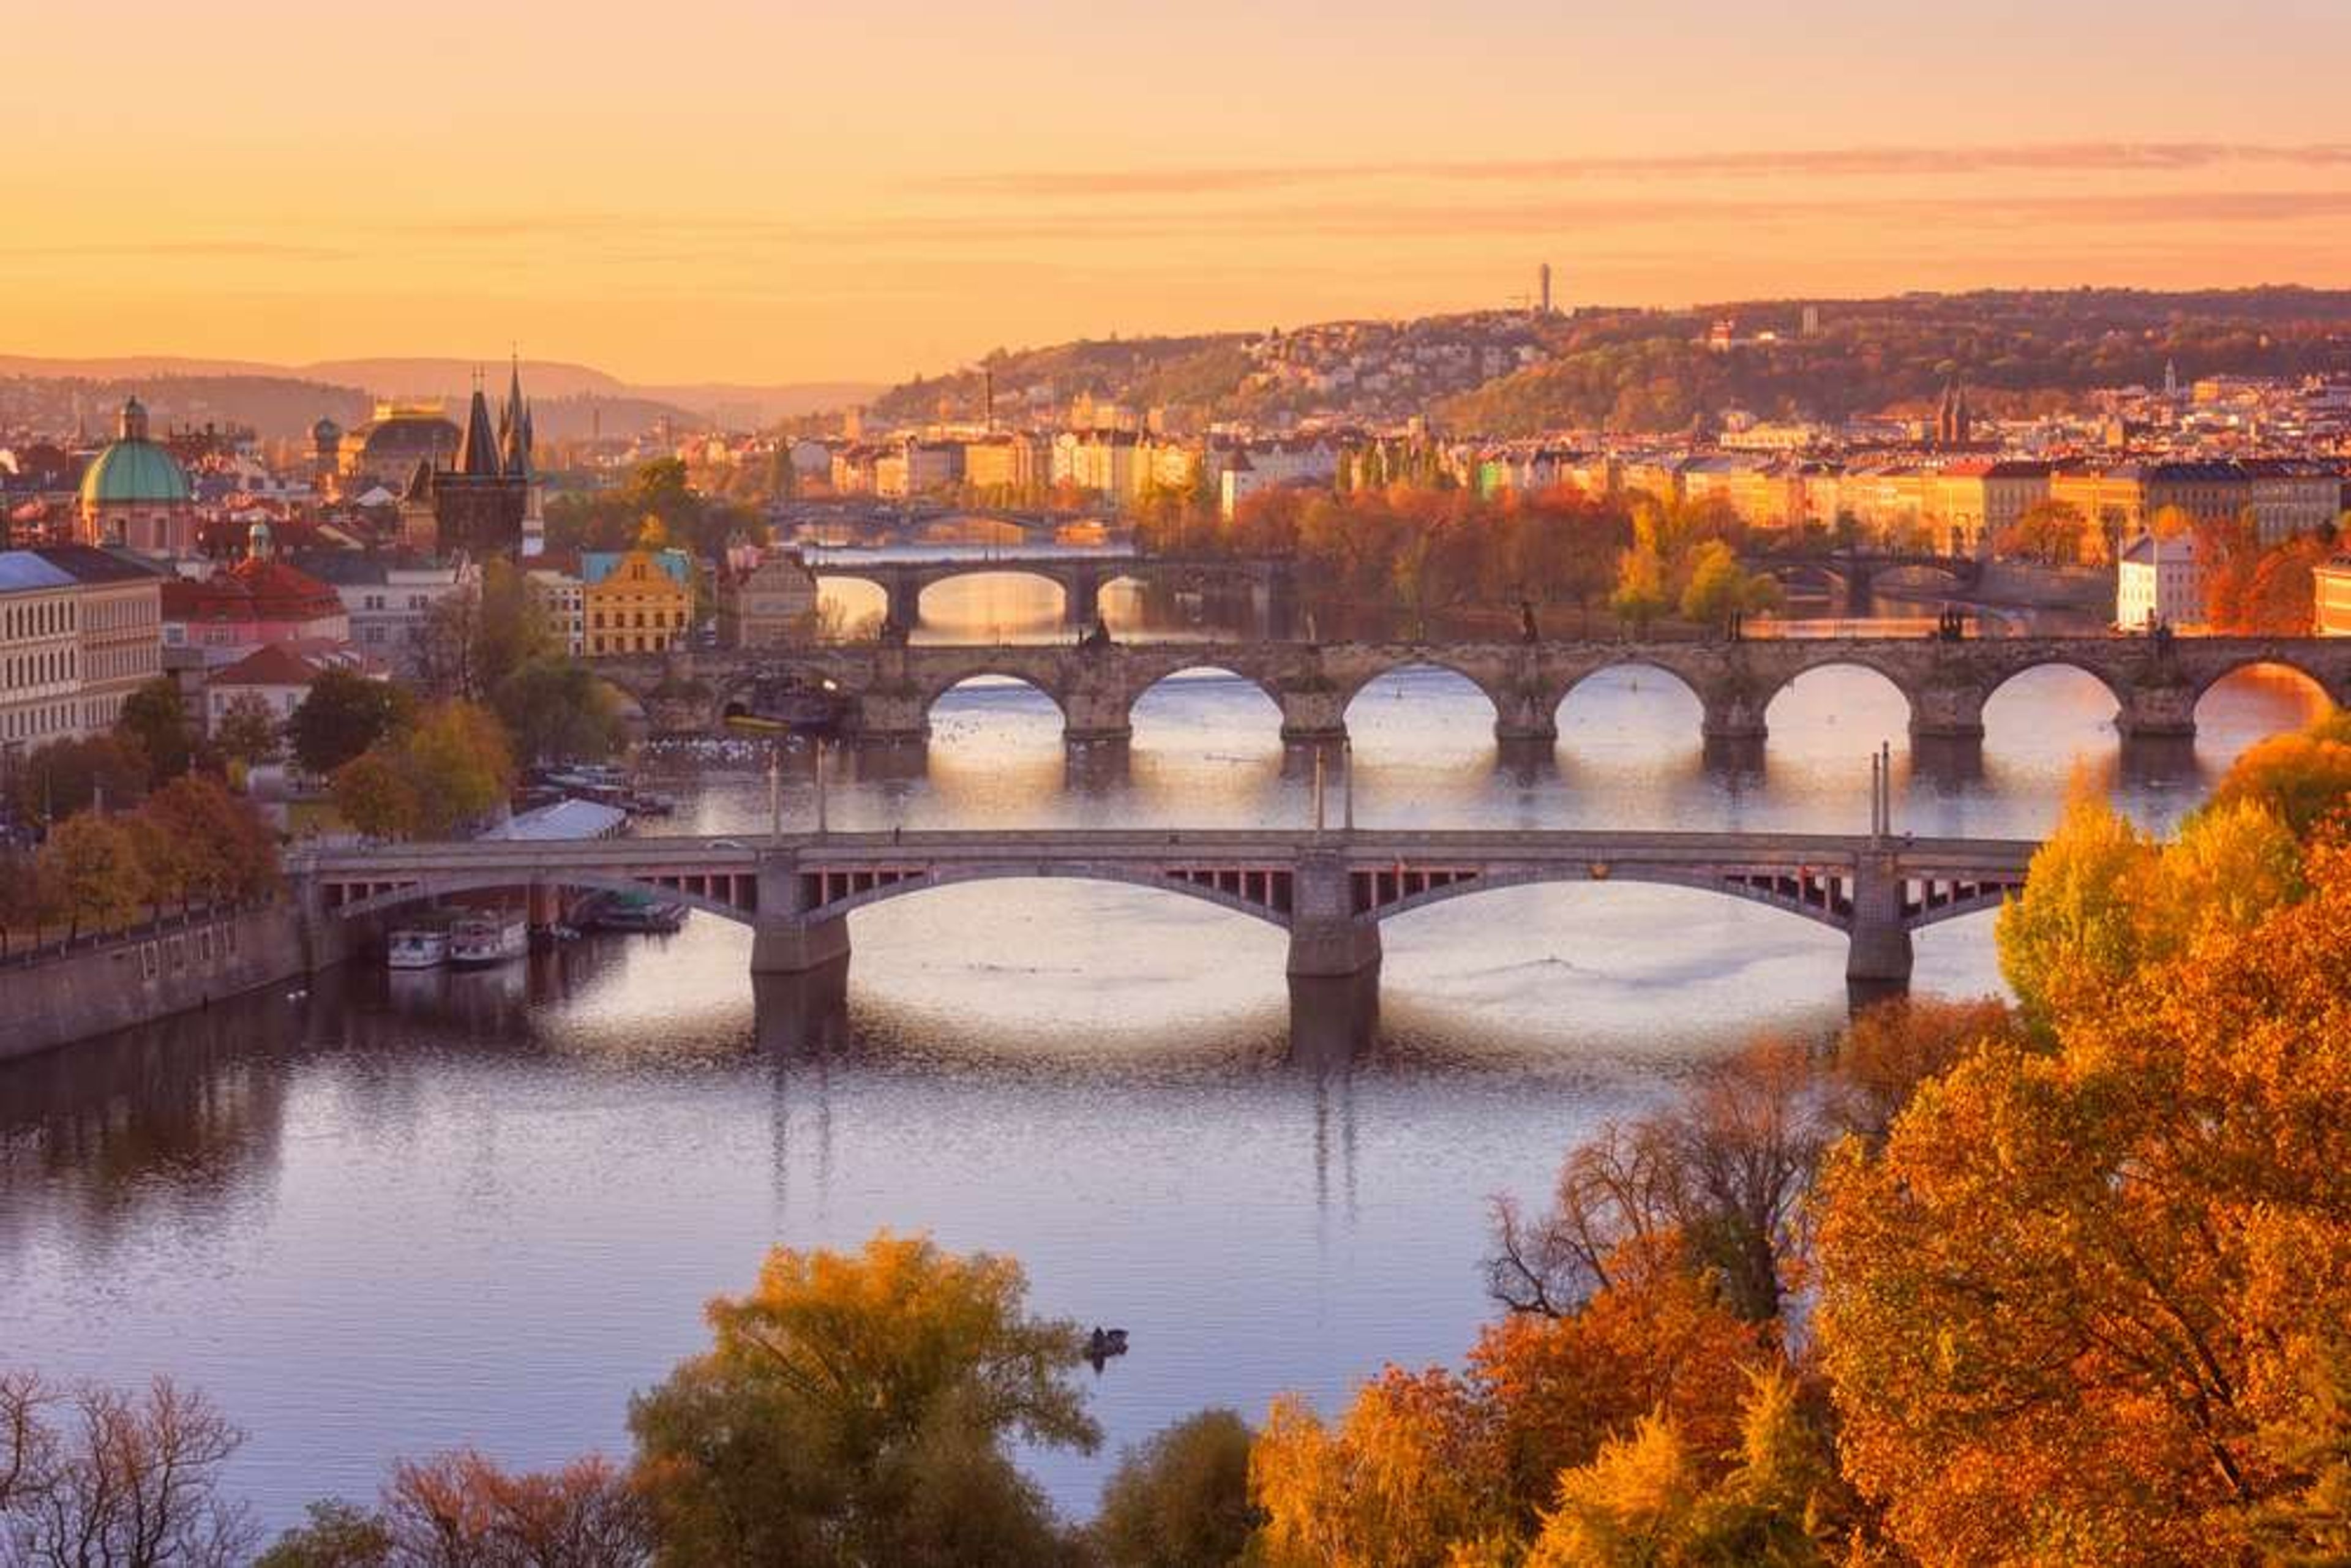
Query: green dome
x,y
135,472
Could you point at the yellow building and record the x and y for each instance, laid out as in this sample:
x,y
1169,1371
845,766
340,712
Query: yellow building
x,y
2333,584
636,602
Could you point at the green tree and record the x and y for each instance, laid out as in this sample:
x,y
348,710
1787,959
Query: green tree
x,y
557,710
1719,588
852,1408
343,714
1181,1499
156,718
333,1534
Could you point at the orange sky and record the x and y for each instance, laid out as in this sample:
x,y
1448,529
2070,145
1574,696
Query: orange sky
x,y
729,189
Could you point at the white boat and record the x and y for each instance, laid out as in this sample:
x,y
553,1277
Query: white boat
x,y
482,940
417,947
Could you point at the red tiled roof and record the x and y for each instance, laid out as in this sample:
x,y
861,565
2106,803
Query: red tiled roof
x,y
270,665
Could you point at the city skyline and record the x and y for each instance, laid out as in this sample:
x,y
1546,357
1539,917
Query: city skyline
x,y
744,197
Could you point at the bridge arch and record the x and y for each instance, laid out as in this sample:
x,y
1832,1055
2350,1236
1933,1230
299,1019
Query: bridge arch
x,y
972,578
2264,660
1159,685
1363,721
447,884
1628,673
1272,911
1832,660
2248,702
1835,913
986,676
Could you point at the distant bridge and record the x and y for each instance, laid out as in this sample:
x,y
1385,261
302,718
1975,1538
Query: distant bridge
x,y
1081,574
1329,891
1855,576
923,520
2155,683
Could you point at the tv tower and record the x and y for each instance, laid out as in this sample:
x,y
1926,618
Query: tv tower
x,y
1543,289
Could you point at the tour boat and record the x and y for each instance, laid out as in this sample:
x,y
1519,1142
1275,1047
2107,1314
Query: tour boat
x,y
417,947
634,912
481,939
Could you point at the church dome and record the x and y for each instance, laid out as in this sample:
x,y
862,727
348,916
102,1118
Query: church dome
x,y
133,470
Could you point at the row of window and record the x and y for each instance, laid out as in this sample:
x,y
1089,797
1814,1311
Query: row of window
x,y
38,670
41,618
36,723
659,619
657,643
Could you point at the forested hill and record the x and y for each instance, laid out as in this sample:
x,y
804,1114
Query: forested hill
x,y
2018,350
1653,371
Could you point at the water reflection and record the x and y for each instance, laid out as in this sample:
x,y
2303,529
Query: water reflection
x,y
400,1213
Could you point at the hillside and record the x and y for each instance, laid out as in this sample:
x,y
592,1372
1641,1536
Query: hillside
x,y
1651,369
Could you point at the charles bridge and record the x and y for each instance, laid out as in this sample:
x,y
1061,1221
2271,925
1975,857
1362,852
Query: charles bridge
x,y
889,687
1328,889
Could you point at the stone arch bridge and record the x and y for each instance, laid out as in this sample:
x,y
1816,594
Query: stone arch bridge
x,y
1080,575
2155,682
1328,891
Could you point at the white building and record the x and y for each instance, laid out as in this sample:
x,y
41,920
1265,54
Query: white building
x,y
2158,582
40,655
563,598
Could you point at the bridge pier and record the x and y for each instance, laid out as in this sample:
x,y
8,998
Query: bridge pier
x,y
1732,719
1313,716
1095,716
1524,716
785,938
1328,940
1878,952
1082,596
904,591
2155,711
1947,712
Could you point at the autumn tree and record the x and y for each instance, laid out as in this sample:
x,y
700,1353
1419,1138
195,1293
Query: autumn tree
x,y
91,863
2069,1309
94,1477
1650,1497
248,730
1405,1480
1180,1499
1719,588
2053,533
854,1407
26,901
56,781
1714,1182
376,794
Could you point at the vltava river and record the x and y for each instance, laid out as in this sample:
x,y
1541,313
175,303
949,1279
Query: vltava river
x,y
398,1214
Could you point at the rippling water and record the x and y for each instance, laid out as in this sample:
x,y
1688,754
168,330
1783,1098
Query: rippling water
x,y
405,1212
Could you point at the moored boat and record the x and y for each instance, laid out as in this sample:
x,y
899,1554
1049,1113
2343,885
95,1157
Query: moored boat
x,y
416,948
493,938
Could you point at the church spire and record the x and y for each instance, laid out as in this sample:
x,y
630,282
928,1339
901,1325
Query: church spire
x,y
477,454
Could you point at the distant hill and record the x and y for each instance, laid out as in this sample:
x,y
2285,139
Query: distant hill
x,y
576,388
1640,370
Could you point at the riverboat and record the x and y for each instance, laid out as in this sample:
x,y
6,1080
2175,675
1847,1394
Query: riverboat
x,y
416,948
477,941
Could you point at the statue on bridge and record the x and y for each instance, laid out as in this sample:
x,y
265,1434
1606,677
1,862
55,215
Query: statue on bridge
x,y
1096,637
1952,625
894,632
1528,630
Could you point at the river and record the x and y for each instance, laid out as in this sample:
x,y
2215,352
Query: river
x,y
397,1214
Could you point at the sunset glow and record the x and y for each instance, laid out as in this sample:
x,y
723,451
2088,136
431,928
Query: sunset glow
x,y
730,190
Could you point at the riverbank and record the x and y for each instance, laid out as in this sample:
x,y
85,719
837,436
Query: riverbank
x,y
58,999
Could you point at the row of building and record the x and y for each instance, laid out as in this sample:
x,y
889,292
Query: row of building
x,y
1954,505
